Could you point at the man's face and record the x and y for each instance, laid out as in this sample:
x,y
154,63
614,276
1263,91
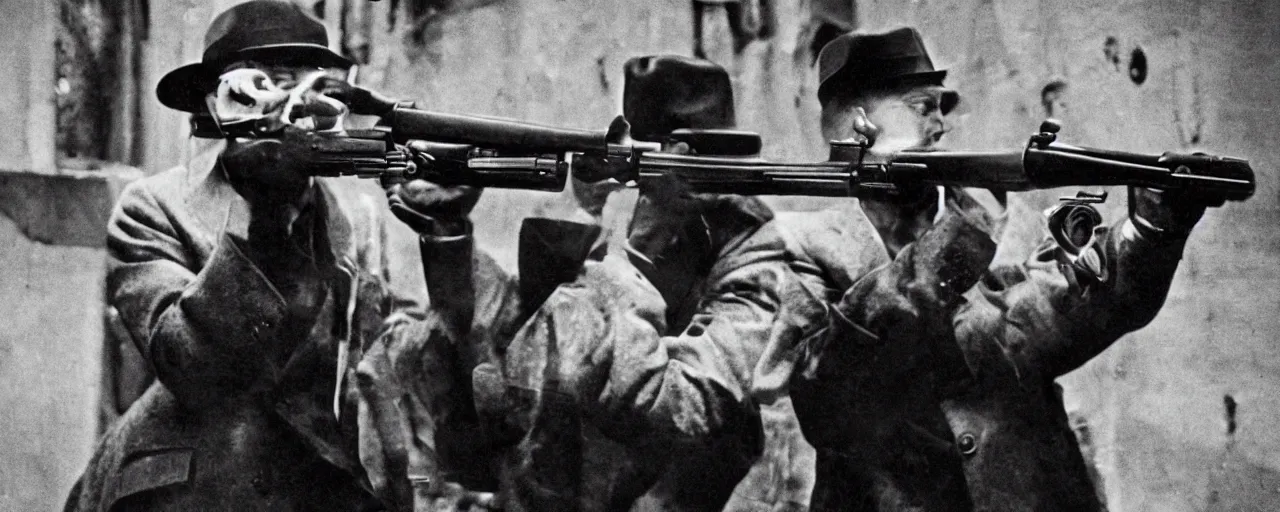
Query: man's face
x,y
908,118
289,76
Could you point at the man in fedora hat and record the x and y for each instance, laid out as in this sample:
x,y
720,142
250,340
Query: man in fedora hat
x,y
928,382
628,387
254,291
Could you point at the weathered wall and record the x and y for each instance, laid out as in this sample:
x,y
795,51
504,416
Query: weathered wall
x,y
1155,404
51,273
1183,412
561,62
28,29
50,350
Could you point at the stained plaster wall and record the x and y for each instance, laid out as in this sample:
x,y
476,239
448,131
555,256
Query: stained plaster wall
x,y
50,349
561,63
50,293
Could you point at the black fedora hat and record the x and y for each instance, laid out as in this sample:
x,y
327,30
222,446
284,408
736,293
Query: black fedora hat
x,y
663,93
267,31
857,62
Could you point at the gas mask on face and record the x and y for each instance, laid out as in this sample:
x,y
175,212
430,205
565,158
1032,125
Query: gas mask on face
x,y
248,102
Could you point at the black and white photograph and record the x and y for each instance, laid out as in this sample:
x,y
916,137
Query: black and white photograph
x,y
640,256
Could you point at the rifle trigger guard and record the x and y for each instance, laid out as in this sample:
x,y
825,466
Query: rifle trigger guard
x,y
1074,225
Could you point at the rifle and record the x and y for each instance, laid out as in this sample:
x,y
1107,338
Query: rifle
x,y
504,153
1042,164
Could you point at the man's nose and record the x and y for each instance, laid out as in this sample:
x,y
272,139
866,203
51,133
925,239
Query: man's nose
x,y
940,124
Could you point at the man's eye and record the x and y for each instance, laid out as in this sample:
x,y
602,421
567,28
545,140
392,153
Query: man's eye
x,y
924,107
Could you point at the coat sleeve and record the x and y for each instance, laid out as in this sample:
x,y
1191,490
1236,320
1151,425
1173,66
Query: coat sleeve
x,y
603,340
856,349
1042,322
417,380
876,353
206,330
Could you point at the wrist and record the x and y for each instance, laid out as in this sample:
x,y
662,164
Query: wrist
x,y
447,227
1162,215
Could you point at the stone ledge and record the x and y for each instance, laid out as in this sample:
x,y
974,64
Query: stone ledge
x,y
70,208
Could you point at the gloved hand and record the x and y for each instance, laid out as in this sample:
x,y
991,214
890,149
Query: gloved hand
x,y
927,278
592,196
1167,213
432,209
362,101
664,209
270,174
670,234
583,200
908,306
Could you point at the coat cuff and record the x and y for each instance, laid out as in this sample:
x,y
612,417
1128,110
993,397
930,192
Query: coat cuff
x,y
447,265
231,296
951,368
551,253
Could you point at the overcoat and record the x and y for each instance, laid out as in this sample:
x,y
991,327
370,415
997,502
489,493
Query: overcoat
x,y
992,436
256,405
624,399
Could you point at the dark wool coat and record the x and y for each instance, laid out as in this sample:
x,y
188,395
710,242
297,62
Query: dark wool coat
x,y
619,400
901,428
255,407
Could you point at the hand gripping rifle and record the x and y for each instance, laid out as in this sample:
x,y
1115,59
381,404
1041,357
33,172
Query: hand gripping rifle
x,y
520,155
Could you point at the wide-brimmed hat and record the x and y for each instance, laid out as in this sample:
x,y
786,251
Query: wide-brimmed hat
x,y
265,31
856,62
663,93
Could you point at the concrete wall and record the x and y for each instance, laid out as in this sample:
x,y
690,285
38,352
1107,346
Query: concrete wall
x,y
50,349
52,227
27,52
561,63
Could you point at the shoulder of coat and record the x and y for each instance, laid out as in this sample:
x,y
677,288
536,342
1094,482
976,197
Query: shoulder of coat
x,y
170,182
845,222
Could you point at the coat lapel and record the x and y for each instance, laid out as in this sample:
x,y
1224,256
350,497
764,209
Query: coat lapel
x,y
344,276
216,206
219,209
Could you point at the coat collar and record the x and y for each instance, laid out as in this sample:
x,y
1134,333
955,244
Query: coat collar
x,y
219,208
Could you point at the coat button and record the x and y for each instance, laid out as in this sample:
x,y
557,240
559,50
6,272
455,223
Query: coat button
x,y
968,444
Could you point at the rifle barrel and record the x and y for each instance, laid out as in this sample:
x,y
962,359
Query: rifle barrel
x,y
491,132
1053,166
752,176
